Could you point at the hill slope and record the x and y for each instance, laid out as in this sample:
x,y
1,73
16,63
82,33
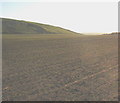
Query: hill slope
x,y
11,26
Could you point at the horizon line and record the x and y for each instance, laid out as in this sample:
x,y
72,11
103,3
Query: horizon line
x,y
89,33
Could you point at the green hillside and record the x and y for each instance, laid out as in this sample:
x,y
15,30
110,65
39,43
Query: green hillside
x,y
10,26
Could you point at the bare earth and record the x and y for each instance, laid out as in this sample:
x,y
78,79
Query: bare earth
x,y
60,68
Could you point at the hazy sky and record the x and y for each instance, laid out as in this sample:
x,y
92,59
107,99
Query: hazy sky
x,y
76,16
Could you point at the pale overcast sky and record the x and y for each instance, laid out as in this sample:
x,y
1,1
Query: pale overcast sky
x,y
76,16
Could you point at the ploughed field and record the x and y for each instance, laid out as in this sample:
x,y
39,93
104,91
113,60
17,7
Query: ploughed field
x,y
60,67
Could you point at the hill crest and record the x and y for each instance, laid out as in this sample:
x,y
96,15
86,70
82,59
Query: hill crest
x,y
12,26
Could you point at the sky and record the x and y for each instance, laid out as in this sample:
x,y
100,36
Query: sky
x,y
81,17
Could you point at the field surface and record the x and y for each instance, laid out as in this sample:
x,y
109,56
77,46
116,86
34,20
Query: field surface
x,y
60,67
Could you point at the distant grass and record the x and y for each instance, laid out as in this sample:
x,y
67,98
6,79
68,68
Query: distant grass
x,y
40,37
11,26
53,29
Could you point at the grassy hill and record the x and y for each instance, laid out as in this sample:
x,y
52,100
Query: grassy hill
x,y
11,26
